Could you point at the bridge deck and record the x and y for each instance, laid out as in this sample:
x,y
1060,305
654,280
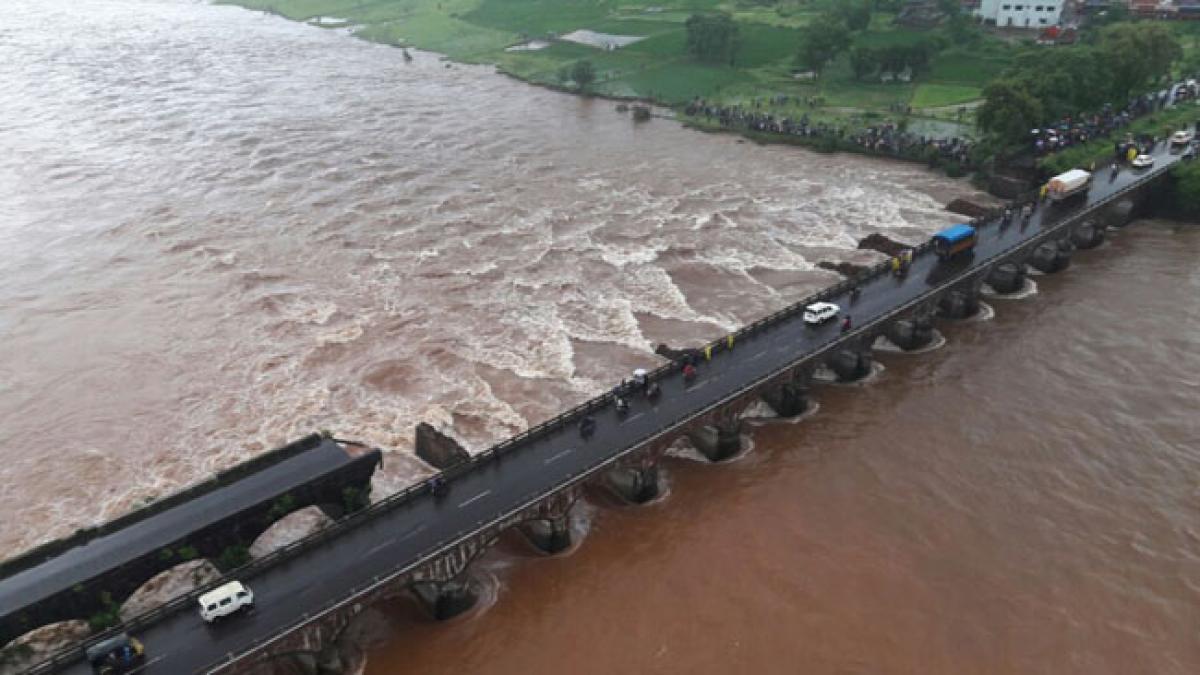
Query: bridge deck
x,y
400,538
80,563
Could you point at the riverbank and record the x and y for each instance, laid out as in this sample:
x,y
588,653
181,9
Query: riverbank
x,y
639,52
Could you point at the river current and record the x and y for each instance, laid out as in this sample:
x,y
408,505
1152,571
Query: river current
x,y
225,230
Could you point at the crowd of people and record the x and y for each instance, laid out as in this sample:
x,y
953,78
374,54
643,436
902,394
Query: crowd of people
x,y
1071,131
891,140
885,139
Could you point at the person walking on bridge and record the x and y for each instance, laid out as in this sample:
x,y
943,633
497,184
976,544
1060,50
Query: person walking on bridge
x,y
689,373
587,426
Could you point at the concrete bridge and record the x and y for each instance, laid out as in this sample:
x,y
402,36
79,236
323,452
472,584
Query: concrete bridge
x,y
97,568
425,543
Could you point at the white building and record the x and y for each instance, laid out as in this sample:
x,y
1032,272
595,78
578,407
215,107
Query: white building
x,y
1020,13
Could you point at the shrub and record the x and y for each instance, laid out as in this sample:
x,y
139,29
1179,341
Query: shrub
x,y
354,499
107,617
282,506
233,557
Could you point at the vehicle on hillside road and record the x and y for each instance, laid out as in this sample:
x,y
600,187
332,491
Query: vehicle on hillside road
x,y
1143,161
1182,137
820,312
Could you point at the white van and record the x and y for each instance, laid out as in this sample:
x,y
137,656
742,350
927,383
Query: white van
x,y
225,600
820,312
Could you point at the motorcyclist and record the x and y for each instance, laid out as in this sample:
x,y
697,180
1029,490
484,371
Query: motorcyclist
x,y
622,406
689,372
845,323
640,378
652,391
437,485
587,426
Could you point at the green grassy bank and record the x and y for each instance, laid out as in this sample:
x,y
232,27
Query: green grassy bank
x,y
656,67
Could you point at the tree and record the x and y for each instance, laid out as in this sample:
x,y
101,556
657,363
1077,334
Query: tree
x,y
1116,12
583,73
1187,188
917,57
1134,53
712,38
1009,111
893,59
856,14
863,61
824,38
959,26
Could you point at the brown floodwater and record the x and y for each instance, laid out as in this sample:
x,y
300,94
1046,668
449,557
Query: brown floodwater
x,y
224,230
1025,499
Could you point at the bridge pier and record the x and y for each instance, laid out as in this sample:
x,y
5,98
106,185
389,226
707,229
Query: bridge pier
x,y
443,585
1088,234
788,399
850,364
446,599
911,333
549,527
958,304
1051,256
549,535
1007,278
718,441
635,484
1119,214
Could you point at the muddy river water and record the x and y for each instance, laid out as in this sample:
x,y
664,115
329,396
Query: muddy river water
x,y
224,230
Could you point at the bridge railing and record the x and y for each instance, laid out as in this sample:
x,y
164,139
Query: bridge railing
x,y
67,656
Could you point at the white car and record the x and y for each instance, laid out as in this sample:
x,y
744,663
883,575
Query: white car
x,y
1143,161
225,600
1182,137
820,312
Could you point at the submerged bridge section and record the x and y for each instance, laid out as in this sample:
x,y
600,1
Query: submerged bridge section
x,y
76,577
426,542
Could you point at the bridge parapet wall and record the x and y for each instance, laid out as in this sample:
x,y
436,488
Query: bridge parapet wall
x,y
113,585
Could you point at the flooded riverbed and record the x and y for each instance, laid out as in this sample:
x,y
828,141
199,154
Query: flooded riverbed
x,y
225,230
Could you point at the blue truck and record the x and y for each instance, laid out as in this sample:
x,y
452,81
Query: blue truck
x,y
955,240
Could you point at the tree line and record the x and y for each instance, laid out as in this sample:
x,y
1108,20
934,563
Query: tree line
x,y
1045,85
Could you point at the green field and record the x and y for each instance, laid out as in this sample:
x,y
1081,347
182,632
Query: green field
x,y
657,67
938,95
